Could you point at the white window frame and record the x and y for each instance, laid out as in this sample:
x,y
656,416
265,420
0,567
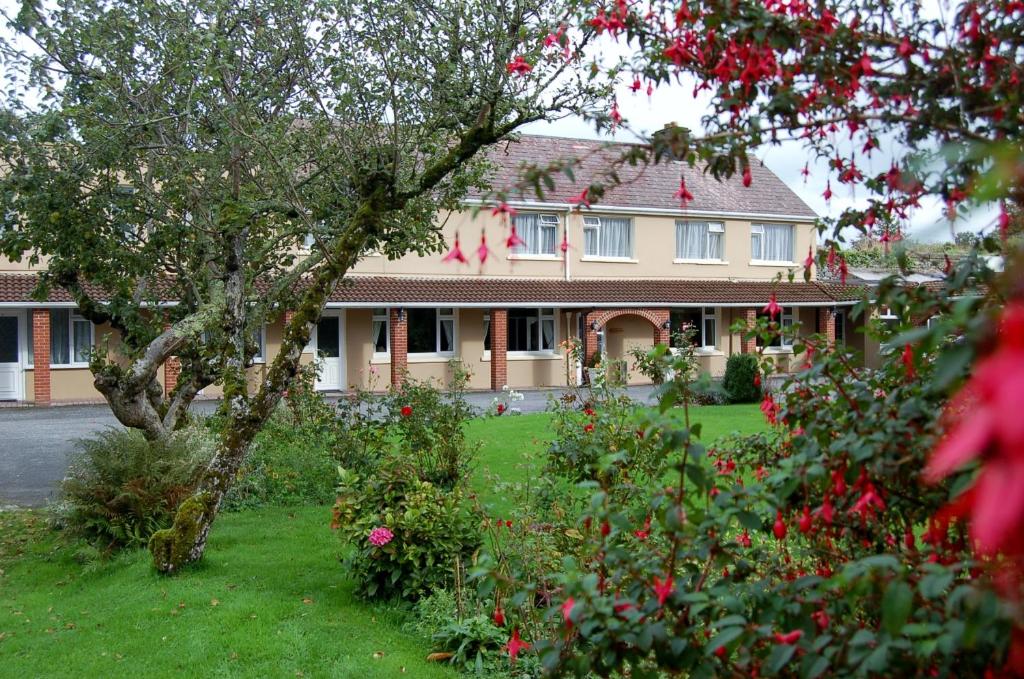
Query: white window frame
x,y
541,317
386,319
757,229
438,318
593,224
712,227
787,319
703,347
546,220
261,344
72,317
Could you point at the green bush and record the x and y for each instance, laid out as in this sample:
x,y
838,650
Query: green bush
x,y
121,488
430,532
739,381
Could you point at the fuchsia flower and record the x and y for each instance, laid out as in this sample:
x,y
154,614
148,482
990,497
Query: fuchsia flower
x,y
663,588
985,424
482,250
581,200
809,262
503,209
406,411
772,308
908,361
515,645
499,617
683,194
455,254
513,239
747,178
380,536
567,611
519,66
789,638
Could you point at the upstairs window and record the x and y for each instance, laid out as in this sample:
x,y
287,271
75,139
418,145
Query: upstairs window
x,y
699,240
431,331
701,320
608,237
538,232
771,242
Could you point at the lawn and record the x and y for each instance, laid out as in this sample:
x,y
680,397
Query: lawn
x,y
268,600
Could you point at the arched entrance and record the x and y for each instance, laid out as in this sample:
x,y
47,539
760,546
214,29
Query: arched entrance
x,y
597,338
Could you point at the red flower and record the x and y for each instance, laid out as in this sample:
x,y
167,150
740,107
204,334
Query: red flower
x,y
567,611
988,426
406,411
747,179
589,427
770,408
636,84
905,49
683,194
518,66
615,115
772,308
580,200
828,191
513,239
821,618
805,520
605,529
789,638
499,617
515,645
908,361
501,408
663,588
757,380
779,529
482,250
589,412
645,532
744,539
809,262
503,209
455,253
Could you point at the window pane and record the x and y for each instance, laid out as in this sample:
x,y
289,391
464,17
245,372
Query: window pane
x,y
522,329
590,242
547,334
487,332
380,311
778,243
715,245
616,237
691,240
9,339
30,335
327,337
755,246
379,333
683,321
447,335
422,331
83,340
710,333
538,235
60,349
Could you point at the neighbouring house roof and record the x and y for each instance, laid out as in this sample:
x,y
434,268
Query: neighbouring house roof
x,y
644,187
504,292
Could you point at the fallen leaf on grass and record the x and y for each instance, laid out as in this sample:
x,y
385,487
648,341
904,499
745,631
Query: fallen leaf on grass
x,y
214,602
307,600
438,657
378,655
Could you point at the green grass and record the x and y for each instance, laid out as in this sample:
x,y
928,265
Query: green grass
x,y
269,599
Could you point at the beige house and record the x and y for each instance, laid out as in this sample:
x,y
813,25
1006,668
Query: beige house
x,y
623,273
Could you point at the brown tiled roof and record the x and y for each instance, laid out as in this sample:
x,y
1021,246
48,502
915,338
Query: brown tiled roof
x,y
651,186
583,292
386,290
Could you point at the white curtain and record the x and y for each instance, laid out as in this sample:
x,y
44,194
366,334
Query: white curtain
x,y
615,237
539,238
60,351
695,240
548,329
777,243
447,334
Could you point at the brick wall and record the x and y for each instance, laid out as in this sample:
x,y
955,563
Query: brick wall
x,y
499,348
749,346
399,341
41,353
172,369
827,324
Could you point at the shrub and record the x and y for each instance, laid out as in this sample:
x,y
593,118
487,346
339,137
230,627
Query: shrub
x,y
408,536
739,382
121,488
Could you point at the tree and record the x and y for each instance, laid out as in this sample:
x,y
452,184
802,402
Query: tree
x,y
184,151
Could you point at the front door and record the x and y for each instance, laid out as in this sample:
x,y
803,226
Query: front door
x,y
10,357
330,349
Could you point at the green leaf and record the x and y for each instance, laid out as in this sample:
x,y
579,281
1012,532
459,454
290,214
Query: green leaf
x,y
730,620
723,638
781,655
896,604
813,666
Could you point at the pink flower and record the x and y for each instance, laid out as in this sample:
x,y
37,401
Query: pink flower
x,y
986,424
567,611
406,411
908,361
683,194
581,199
772,308
789,638
455,253
513,239
519,66
380,536
515,645
483,251
663,588
503,209
747,178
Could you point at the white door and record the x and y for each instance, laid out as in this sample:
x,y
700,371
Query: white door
x,y
330,349
10,357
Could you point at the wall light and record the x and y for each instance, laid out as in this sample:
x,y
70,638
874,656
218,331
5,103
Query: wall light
x,y
401,313
593,325
667,325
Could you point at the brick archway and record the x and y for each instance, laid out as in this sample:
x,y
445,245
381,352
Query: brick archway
x,y
597,319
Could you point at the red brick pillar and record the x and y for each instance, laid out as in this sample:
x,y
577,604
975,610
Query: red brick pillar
x,y
827,324
749,346
499,348
398,330
662,329
172,368
41,355
288,316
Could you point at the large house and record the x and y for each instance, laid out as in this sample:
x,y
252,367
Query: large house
x,y
637,268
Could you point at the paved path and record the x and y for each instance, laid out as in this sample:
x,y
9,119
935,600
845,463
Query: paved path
x,y
35,443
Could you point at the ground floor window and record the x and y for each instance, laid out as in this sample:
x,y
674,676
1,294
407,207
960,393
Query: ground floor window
x,y
701,320
431,331
380,331
529,330
840,326
71,339
785,320
261,345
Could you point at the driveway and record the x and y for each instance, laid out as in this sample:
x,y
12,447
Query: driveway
x,y
36,443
